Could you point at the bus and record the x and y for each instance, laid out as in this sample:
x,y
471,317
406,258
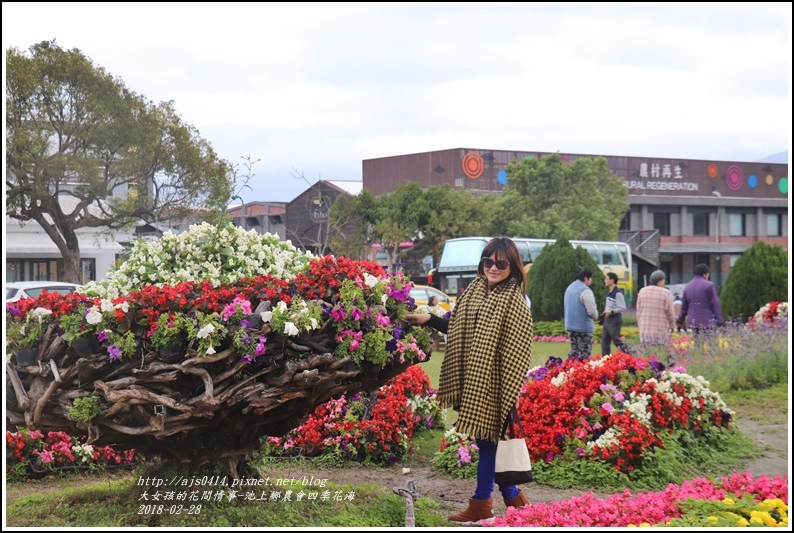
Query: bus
x,y
460,257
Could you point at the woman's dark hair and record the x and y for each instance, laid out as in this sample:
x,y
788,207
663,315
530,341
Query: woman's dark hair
x,y
701,269
505,248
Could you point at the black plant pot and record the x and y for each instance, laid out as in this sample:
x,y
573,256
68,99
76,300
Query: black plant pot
x,y
85,346
26,356
172,354
11,396
255,321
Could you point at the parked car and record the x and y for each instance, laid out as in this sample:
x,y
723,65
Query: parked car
x,y
32,289
422,293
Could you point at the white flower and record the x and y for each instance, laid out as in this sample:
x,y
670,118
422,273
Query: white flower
x,y
124,306
314,323
106,305
290,329
281,306
40,313
205,332
370,280
94,316
210,350
384,299
266,316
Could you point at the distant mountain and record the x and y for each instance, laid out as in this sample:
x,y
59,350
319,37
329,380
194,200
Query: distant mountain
x,y
781,157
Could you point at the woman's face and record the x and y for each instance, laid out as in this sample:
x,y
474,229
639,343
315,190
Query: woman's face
x,y
493,274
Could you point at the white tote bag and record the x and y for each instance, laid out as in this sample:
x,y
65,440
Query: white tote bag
x,y
513,466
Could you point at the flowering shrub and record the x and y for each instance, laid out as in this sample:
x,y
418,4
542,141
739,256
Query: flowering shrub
x,y
25,330
699,502
457,455
220,254
31,451
613,408
771,313
374,430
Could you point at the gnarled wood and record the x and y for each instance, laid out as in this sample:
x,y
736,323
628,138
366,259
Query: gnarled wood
x,y
197,411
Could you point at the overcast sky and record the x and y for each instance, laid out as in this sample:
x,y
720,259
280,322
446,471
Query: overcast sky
x,y
314,89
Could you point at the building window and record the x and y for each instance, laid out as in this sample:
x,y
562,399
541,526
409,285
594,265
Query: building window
x,y
703,259
661,221
774,225
736,224
700,224
625,222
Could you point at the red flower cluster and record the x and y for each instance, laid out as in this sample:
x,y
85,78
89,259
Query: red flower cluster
x,y
324,275
627,400
376,429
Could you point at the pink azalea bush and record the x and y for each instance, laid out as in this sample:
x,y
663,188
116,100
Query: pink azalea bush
x,y
770,497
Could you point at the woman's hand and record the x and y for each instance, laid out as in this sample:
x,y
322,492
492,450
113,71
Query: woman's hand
x,y
417,319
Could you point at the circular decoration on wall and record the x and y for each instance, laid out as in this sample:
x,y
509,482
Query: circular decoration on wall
x,y
734,178
752,181
711,170
473,165
501,177
769,179
782,185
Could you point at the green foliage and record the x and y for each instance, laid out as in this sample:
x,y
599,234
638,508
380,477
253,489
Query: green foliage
x,y
85,409
549,197
104,135
759,276
730,512
550,275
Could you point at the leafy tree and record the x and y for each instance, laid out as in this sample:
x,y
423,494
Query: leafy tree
x,y
551,198
759,276
556,268
452,213
75,134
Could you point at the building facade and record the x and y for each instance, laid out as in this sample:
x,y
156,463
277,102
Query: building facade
x,y
682,211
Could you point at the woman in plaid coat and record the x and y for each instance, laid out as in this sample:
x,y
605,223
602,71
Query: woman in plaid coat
x,y
489,347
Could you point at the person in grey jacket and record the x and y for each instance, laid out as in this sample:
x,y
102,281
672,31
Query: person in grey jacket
x,y
613,316
580,314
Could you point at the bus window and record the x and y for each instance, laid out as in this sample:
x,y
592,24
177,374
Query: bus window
x,y
461,253
535,249
592,251
609,254
523,251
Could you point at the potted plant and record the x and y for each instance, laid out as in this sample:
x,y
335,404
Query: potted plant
x,y
25,331
80,328
168,336
206,332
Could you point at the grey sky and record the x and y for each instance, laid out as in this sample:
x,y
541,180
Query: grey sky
x,y
317,88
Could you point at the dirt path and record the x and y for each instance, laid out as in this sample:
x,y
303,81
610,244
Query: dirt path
x,y
453,493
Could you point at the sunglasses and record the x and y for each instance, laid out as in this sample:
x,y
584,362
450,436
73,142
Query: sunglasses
x,y
501,264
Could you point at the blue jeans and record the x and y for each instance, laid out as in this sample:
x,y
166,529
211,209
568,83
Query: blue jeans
x,y
486,469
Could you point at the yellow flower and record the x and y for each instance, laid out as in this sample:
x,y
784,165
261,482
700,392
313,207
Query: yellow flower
x,y
742,522
712,518
728,501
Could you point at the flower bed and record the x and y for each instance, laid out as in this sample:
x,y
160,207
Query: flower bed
x,y
617,410
375,429
333,328
30,452
738,500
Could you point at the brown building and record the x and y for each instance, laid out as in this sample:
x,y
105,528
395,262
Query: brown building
x,y
307,215
682,211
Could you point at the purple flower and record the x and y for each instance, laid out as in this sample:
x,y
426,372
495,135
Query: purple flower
x,y
102,336
260,348
338,314
114,352
356,314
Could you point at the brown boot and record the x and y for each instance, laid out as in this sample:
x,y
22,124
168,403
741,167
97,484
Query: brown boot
x,y
476,511
518,502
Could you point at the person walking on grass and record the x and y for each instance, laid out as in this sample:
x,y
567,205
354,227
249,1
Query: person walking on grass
x,y
489,348
580,314
613,316
700,306
655,314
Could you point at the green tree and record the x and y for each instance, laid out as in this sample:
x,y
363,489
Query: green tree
x,y
759,276
556,268
75,134
551,198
